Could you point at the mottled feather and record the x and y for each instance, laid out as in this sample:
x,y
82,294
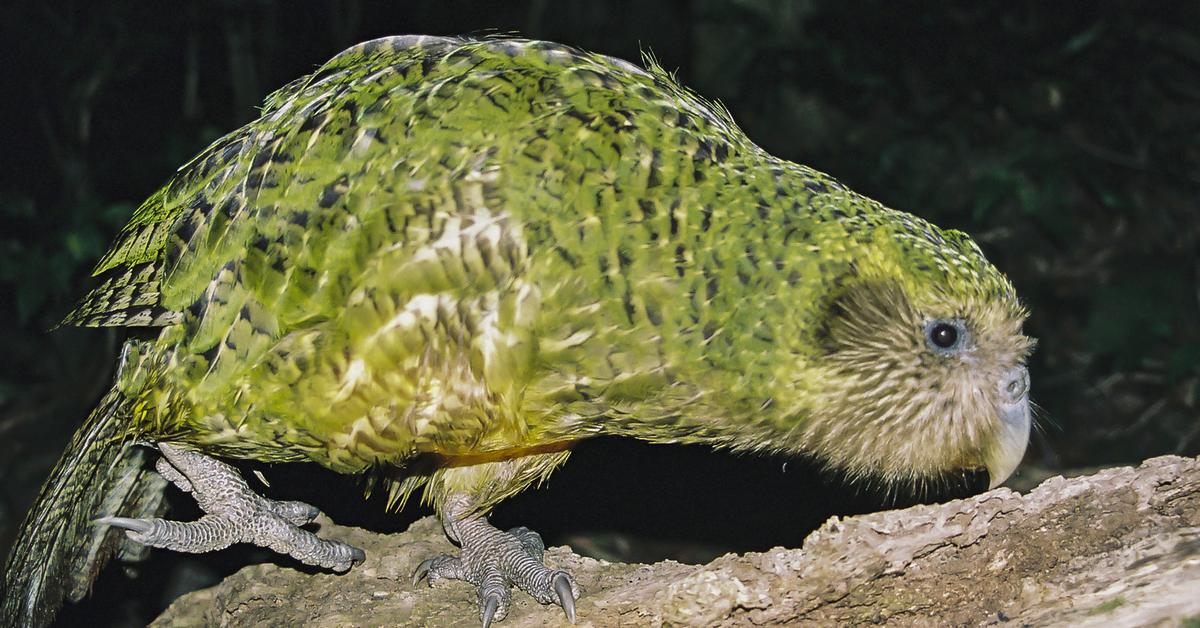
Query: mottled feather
x,y
454,259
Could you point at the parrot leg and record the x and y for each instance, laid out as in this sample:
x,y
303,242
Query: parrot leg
x,y
233,514
494,561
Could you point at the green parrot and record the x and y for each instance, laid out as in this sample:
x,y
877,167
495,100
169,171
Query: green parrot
x,y
447,261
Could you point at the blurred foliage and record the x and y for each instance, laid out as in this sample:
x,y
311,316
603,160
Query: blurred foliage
x,y
1064,136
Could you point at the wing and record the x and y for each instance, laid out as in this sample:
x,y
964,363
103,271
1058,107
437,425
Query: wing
x,y
376,225
194,211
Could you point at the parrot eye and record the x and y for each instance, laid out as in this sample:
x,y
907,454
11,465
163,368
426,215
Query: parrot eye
x,y
945,337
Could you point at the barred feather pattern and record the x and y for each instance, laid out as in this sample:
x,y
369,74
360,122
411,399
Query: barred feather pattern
x,y
59,550
476,253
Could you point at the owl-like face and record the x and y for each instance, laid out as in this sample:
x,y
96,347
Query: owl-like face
x,y
915,386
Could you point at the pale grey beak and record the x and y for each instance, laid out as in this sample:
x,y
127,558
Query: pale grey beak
x,y
1013,435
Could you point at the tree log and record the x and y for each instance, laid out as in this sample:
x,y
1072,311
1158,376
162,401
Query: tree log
x,y
1120,547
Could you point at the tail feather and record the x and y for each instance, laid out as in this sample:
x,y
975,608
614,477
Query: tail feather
x,y
59,551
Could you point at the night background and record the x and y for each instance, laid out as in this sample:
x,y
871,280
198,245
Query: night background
x,y
1064,137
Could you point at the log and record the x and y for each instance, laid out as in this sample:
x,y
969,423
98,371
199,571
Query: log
x,y
1119,547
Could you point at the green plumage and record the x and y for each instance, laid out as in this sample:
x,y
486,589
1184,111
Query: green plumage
x,y
477,253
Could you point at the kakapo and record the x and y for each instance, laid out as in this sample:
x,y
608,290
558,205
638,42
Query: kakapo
x,y
476,253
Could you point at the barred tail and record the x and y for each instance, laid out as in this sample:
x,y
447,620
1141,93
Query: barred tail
x,y
59,551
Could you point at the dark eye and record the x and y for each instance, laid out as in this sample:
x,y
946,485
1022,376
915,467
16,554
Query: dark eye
x,y
945,336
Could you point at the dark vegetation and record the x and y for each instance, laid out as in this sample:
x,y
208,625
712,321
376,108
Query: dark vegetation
x,y
1064,136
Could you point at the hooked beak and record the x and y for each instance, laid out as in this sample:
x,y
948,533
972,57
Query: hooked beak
x,y
1013,432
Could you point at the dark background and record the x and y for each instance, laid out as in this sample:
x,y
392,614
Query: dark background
x,y
1065,137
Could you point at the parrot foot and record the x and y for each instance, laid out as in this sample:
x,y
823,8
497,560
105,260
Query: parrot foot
x,y
234,513
494,561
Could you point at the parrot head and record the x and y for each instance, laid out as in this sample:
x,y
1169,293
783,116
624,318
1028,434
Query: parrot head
x,y
923,368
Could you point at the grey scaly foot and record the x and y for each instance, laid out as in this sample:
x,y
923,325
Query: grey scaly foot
x,y
494,561
233,514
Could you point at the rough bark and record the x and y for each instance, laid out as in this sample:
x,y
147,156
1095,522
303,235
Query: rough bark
x,y
1120,547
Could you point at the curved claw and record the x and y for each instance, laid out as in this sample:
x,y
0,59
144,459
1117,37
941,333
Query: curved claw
x,y
422,571
357,556
136,525
489,610
566,598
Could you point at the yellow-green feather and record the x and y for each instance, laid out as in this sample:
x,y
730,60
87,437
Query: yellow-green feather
x,y
447,248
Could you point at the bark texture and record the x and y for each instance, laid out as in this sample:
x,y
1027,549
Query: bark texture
x,y
1120,547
